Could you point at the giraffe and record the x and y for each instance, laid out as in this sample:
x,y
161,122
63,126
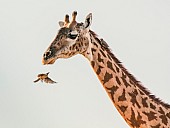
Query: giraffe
x,y
138,107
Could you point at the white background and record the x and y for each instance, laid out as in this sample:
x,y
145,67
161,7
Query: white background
x,y
138,32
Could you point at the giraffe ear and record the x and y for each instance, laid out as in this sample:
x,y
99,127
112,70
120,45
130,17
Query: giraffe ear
x,y
88,20
61,23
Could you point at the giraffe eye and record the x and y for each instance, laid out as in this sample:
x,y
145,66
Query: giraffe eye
x,y
72,36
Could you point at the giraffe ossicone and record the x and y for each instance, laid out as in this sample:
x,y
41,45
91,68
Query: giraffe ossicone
x,y
138,107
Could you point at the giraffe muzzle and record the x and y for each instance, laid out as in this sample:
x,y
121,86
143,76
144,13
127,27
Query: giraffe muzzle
x,y
49,61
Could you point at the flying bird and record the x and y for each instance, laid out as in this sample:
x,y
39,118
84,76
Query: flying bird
x,y
45,78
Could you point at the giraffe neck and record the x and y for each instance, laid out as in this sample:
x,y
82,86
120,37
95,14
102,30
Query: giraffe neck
x,y
135,104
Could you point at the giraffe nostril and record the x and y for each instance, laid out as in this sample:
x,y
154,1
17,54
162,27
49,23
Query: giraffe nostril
x,y
44,55
47,54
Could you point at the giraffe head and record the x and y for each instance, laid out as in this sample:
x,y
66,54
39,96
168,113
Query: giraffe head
x,y
72,38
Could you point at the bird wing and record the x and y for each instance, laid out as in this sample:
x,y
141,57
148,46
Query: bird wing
x,y
36,80
48,80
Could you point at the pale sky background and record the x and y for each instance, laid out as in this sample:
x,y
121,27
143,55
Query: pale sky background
x,y
138,32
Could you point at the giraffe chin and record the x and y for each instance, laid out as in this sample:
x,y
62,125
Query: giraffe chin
x,y
46,62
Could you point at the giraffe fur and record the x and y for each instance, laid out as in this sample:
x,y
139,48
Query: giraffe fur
x,y
138,107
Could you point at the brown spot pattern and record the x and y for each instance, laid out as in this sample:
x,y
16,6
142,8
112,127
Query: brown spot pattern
x,y
102,53
123,108
100,59
150,115
168,115
156,126
112,91
163,116
123,75
141,92
117,69
122,97
107,77
125,82
93,50
94,43
133,98
99,70
144,103
136,122
117,80
152,106
109,57
109,65
92,63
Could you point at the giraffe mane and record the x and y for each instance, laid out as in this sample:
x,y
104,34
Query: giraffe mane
x,y
137,83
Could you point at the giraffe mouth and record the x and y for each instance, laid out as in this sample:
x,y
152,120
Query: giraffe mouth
x,y
50,61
